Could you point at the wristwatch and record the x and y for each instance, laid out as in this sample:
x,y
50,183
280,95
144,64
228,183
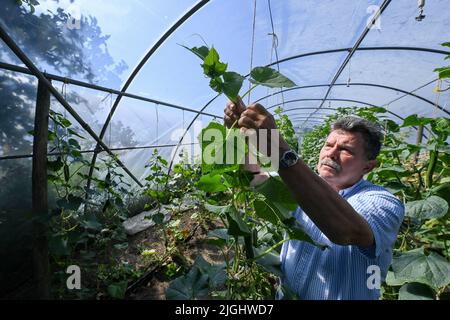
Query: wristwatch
x,y
288,159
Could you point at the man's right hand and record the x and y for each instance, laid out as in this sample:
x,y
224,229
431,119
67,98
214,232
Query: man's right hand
x,y
233,112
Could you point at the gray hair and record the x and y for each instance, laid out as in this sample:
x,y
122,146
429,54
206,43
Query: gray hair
x,y
370,131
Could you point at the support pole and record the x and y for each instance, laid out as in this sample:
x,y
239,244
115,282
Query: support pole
x,y
41,272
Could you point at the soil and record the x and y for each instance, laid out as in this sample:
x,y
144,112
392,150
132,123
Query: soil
x,y
195,244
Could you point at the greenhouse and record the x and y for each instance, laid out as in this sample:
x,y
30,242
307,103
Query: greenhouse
x,y
302,153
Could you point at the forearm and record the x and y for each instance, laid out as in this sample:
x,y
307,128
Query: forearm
x,y
332,214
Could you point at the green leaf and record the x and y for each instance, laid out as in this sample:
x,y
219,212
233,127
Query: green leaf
x,y
445,44
270,78
200,52
232,84
432,207
212,67
74,143
415,266
392,171
276,192
72,132
71,203
270,262
216,84
391,280
219,210
216,273
236,225
118,290
218,237
444,73
415,291
222,150
90,222
56,165
414,120
211,184
191,286
65,122
266,212
296,232
51,136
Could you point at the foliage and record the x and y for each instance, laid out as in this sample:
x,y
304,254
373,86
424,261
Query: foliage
x,y
82,229
444,72
254,219
286,128
230,82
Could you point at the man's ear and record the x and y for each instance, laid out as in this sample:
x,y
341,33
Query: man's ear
x,y
370,164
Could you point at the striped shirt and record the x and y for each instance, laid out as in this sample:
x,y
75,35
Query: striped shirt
x,y
343,272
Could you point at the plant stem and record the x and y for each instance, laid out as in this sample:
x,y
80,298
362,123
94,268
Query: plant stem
x,y
267,251
249,90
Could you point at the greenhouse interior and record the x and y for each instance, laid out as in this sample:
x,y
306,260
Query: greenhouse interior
x,y
113,183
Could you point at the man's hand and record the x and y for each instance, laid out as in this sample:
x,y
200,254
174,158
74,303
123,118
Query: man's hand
x,y
233,112
256,117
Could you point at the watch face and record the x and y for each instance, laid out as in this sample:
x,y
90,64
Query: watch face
x,y
291,156
289,159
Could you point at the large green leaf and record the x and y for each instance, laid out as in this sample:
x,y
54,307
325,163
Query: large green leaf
x,y
223,150
443,72
209,183
415,266
219,210
236,225
193,285
216,273
432,207
295,232
391,280
232,84
270,262
218,237
266,212
415,291
392,170
270,78
276,192
415,120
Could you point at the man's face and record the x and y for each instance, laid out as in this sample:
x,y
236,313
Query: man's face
x,y
342,161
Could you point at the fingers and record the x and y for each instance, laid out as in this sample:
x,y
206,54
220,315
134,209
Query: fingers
x,y
249,113
240,105
256,107
247,123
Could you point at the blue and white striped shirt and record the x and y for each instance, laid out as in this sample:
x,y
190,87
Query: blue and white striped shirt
x,y
341,272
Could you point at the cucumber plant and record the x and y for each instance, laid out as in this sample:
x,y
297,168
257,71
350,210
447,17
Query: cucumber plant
x,y
257,220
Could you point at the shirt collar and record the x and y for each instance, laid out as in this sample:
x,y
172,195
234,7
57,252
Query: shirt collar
x,y
347,191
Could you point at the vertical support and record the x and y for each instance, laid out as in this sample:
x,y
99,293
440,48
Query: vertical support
x,y
418,141
41,272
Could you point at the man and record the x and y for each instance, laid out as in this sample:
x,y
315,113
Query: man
x,y
356,219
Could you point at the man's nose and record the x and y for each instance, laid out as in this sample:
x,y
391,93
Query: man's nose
x,y
332,153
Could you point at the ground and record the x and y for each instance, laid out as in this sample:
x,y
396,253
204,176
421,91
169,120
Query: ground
x,y
157,281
